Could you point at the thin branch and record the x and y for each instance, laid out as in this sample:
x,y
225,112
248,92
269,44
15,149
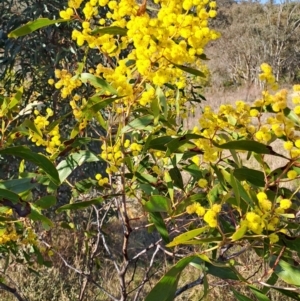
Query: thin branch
x,y
99,225
189,285
78,271
146,250
171,254
12,291
278,287
146,277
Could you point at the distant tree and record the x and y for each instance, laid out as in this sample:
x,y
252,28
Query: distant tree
x,y
253,33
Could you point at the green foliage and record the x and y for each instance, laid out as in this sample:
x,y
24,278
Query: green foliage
x,y
193,186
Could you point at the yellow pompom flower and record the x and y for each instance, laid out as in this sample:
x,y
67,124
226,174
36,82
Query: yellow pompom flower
x,y
292,174
191,208
296,88
288,145
202,183
261,196
254,113
297,110
51,81
252,217
285,204
210,218
297,143
273,238
216,208
200,211
49,112
85,25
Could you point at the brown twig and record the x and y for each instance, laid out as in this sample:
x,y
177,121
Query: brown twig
x,y
12,291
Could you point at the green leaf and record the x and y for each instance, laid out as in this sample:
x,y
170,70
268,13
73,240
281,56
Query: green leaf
x,y
40,160
33,26
214,193
35,215
155,110
290,294
74,160
145,178
168,180
46,202
138,124
190,70
182,238
219,176
188,201
18,185
85,185
165,289
258,294
201,241
16,98
176,177
7,194
112,30
293,243
162,101
253,176
30,125
291,115
100,103
235,187
68,226
193,170
180,144
203,57
239,233
247,145
97,82
245,196
158,203
285,271
80,205
160,143
220,270
160,225
57,121
239,296
148,189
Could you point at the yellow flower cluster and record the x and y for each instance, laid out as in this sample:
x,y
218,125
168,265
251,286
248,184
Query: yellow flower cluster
x,y
66,14
202,183
113,154
227,120
101,181
52,140
265,217
245,122
267,75
209,216
175,35
66,82
77,110
7,236
135,148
